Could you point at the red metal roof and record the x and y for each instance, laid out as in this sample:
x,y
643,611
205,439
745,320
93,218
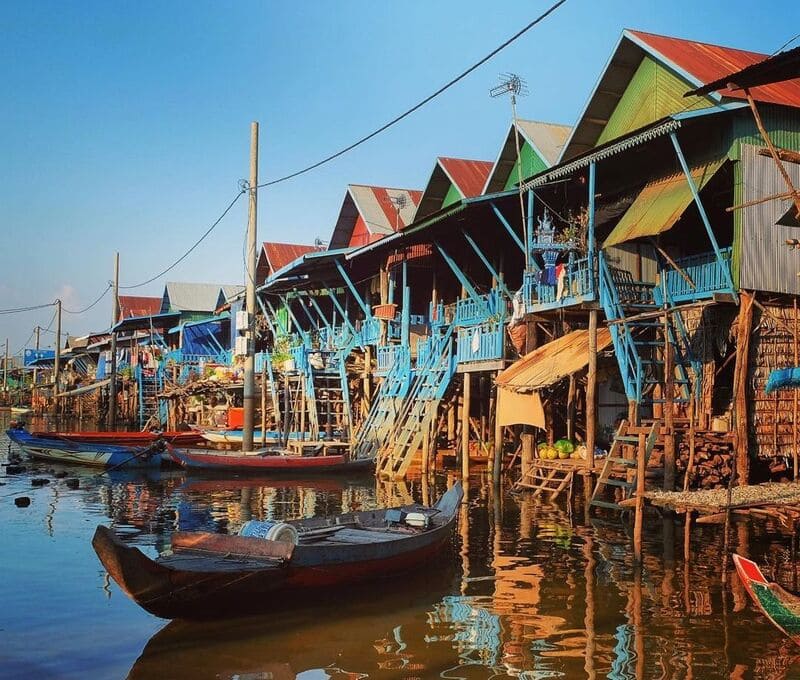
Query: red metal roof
x,y
281,254
138,305
468,176
707,63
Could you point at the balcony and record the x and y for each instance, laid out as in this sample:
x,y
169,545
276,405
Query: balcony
x,y
481,344
476,311
575,287
707,276
388,356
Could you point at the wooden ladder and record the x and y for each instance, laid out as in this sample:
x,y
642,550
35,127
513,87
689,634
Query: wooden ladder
x,y
619,471
547,477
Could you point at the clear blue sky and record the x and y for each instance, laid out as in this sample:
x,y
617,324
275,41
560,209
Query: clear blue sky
x,y
125,126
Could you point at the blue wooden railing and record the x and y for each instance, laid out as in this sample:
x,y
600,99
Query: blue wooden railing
x,y
578,286
475,311
484,342
705,272
389,356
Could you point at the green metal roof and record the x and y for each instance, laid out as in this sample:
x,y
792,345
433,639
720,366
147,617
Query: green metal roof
x,y
660,205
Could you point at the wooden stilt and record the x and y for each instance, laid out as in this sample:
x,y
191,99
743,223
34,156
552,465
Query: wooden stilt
x,y
571,408
743,326
669,406
465,429
794,396
641,462
497,451
591,393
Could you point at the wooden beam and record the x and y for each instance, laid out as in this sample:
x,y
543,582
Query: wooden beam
x,y
784,154
673,264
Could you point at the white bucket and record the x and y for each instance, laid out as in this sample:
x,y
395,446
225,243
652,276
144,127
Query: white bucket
x,y
271,531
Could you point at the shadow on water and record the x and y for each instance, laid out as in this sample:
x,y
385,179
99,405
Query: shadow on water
x,y
530,589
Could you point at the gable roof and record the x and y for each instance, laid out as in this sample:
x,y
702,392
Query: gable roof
x,y
278,255
545,139
376,206
138,305
196,297
776,69
694,62
467,176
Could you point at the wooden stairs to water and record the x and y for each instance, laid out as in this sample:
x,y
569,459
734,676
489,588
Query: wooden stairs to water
x,y
627,458
549,477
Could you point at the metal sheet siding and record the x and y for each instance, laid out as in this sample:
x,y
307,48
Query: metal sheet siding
x,y
653,93
767,264
532,165
626,256
453,196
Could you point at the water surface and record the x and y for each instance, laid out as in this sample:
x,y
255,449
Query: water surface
x,y
529,590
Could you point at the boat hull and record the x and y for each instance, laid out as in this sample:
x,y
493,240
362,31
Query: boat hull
x,y
236,436
210,575
125,438
781,607
204,459
95,455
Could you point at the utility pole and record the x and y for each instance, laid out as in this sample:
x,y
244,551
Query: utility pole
x,y
57,362
5,369
250,302
38,330
112,387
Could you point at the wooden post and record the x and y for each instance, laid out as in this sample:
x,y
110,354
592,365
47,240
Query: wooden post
x,y
5,369
250,299
743,325
526,459
669,407
591,392
112,385
641,463
497,451
36,370
794,397
264,401
465,430
57,361
571,408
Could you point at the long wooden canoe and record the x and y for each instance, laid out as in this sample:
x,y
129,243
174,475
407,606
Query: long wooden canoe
x,y
266,461
780,606
120,438
97,455
211,575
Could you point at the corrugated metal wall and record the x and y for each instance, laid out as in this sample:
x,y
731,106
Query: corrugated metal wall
x,y
766,263
627,256
653,92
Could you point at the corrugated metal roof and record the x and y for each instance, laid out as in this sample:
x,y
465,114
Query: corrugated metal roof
x,y
707,63
377,208
467,176
138,305
776,69
546,139
280,254
548,364
660,205
697,63
196,297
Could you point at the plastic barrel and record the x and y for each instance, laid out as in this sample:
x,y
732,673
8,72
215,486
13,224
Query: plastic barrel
x,y
271,531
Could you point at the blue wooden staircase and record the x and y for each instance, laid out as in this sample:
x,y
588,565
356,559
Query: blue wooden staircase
x,y
420,406
634,313
149,384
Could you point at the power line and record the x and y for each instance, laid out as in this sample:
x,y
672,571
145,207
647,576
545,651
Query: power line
x,y
196,243
86,309
785,45
29,308
419,105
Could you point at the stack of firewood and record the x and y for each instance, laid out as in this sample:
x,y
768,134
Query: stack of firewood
x,y
713,459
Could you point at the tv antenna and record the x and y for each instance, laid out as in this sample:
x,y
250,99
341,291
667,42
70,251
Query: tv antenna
x,y
399,202
511,83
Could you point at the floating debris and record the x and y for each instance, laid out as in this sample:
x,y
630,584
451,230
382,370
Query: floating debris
x,y
22,501
40,481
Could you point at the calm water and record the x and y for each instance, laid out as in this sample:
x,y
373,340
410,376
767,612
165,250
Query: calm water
x,y
529,590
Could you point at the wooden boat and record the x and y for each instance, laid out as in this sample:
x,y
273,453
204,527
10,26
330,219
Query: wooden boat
x,y
780,606
20,410
236,436
190,438
98,455
266,461
208,575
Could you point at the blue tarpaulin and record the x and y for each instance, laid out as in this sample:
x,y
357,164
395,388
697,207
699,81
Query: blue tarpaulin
x,y
783,378
32,355
205,337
